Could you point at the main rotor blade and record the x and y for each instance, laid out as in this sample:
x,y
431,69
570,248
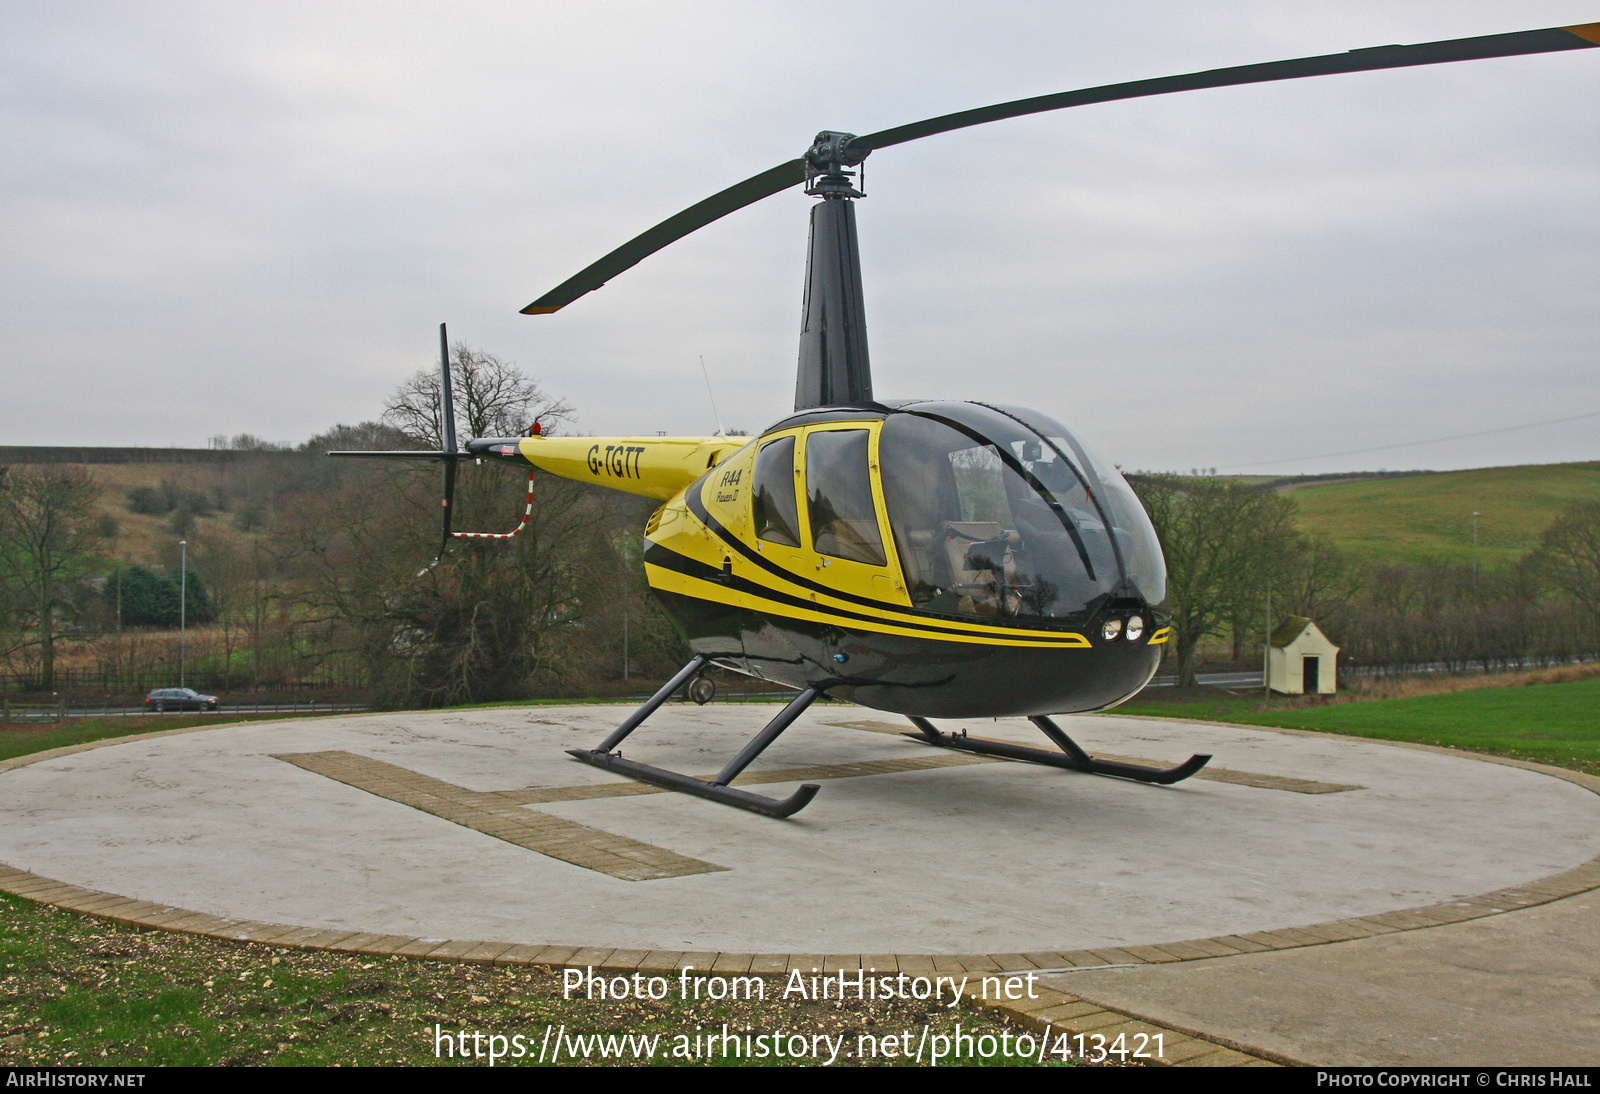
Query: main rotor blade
x,y
697,216
1554,39
753,189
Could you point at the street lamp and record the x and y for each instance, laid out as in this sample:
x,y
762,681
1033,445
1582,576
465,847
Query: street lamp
x,y
1474,552
183,608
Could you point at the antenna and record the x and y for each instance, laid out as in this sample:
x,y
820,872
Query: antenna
x,y
722,430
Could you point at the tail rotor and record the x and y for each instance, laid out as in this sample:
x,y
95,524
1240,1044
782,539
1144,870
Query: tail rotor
x,y
451,453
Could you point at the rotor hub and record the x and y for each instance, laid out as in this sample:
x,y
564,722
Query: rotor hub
x,y
830,153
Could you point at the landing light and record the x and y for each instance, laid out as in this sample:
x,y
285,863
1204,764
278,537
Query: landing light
x,y
1135,627
1110,629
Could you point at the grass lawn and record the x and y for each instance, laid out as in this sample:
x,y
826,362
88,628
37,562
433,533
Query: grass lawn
x,y
22,740
75,990
1555,724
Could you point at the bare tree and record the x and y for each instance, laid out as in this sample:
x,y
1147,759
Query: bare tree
x,y
1219,538
492,619
493,399
1304,575
487,623
47,536
1568,559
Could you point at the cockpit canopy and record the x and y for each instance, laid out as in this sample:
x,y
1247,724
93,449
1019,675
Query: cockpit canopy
x,y
993,511
998,510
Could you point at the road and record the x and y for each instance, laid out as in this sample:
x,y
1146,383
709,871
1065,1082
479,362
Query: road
x,y
18,713
1214,680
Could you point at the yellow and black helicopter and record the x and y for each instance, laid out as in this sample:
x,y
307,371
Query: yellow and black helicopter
x,y
932,559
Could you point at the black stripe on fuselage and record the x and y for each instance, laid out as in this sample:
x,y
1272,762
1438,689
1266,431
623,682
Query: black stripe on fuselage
x,y
666,558
702,570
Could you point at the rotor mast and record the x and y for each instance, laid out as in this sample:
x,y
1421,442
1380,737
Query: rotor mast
x,y
834,369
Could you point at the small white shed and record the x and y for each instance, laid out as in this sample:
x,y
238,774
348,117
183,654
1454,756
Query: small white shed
x,y
1301,660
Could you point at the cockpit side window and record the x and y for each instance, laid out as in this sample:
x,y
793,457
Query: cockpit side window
x,y
777,517
844,521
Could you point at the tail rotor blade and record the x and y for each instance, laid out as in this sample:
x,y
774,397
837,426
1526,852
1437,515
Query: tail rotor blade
x,y
447,437
447,401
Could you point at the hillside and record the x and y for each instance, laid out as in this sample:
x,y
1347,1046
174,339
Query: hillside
x,y
1389,518
1404,519
150,540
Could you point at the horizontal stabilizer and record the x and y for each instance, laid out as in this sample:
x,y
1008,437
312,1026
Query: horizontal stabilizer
x,y
397,454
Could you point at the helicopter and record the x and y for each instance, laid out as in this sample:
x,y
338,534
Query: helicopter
x,y
932,559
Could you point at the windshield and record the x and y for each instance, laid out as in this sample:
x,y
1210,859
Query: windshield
x,y
1133,534
978,533
997,514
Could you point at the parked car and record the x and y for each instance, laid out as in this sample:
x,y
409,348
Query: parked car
x,y
162,700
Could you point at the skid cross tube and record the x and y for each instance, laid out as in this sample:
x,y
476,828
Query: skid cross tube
x,y
717,789
758,744
1072,757
652,704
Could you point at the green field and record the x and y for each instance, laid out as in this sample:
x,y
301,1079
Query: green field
x,y
1555,724
1407,519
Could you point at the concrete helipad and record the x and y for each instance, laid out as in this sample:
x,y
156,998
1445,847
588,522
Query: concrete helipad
x,y
477,825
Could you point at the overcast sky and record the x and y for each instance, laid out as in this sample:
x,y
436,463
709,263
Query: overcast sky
x,y
225,218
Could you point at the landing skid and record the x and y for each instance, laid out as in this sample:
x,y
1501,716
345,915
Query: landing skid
x,y
727,795
1071,756
717,789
